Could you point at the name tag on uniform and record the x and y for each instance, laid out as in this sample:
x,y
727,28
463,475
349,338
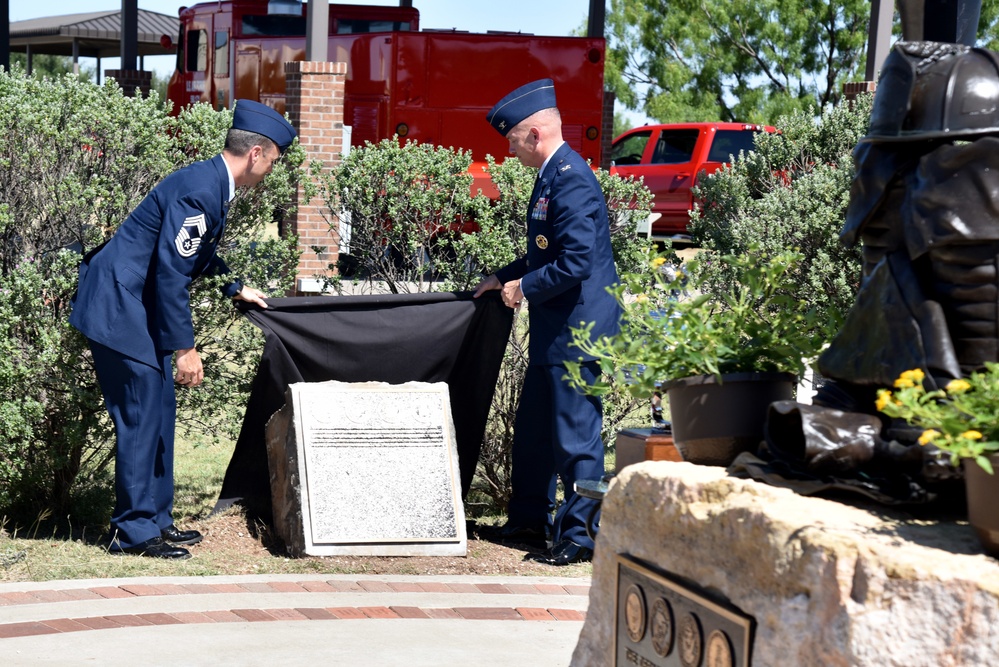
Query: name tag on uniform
x,y
540,211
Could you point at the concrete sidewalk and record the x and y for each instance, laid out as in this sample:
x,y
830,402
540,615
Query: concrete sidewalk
x,y
262,620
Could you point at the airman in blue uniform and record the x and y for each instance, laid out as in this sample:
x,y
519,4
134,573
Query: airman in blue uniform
x,y
133,306
564,277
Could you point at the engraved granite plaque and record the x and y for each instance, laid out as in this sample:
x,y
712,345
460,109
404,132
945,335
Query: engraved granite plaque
x,y
661,622
366,469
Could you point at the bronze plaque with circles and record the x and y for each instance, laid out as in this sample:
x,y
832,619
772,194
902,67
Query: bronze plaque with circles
x,y
663,621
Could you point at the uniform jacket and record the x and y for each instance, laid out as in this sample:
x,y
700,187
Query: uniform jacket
x,y
569,265
133,294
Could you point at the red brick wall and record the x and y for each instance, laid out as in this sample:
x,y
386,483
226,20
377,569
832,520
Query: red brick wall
x,y
131,80
314,103
852,89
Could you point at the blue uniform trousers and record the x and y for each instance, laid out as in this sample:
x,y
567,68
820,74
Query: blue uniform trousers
x,y
142,405
557,432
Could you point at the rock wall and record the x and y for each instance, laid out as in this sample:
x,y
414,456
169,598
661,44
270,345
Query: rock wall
x,y
829,584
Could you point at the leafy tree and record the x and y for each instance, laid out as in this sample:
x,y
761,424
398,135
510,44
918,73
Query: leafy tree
x,y
47,65
690,60
733,59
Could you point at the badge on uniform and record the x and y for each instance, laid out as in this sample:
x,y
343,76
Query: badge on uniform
x,y
541,241
540,211
189,237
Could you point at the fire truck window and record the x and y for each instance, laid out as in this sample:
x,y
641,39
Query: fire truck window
x,y
358,26
730,143
222,53
197,50
675,147
273,26
629,150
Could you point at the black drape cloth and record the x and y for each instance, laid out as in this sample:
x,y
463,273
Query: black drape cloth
x,y
428,337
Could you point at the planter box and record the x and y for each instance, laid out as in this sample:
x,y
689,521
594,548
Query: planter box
x,y
644,444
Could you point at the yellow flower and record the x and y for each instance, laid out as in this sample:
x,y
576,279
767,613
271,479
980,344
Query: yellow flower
x,y
642,298
972,435
910,378
658,261
958,386
928,436
884,396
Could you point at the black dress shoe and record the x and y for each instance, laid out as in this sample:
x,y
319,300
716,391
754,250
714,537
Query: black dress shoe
x,y
519,534
566,552
153,548
176,536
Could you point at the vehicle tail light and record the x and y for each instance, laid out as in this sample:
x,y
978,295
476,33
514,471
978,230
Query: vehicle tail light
x,y
402,129
592,133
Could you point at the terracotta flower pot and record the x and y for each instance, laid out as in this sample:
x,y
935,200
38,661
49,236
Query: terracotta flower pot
x,y
713,422
983,502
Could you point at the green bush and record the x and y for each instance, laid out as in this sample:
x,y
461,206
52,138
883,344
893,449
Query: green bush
x,y
424,191
75,160
791,193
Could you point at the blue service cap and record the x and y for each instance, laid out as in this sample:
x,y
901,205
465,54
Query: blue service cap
x,y
261,119
521,103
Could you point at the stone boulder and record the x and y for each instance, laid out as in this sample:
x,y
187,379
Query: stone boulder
x,y
829,583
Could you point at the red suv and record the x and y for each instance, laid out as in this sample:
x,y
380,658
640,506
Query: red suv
x,y
671,158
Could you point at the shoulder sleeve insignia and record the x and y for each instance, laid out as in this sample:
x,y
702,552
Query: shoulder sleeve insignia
x,y
189,237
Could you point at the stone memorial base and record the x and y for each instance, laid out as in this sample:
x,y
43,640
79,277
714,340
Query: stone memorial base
x,y
826,583
366,469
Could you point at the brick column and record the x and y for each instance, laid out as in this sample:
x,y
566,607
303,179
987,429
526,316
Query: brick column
x,y
131,80
852,89
314,102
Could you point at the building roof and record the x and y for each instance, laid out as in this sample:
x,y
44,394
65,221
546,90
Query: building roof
x,y
97,33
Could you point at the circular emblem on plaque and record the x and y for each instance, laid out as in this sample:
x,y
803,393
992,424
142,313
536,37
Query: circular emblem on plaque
x,y
634,613
719,650
689,641
661,626
541,241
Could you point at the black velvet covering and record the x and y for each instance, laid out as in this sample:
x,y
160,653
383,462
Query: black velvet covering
x,y
435,337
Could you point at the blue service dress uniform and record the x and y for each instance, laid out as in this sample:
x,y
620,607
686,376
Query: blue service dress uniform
x,y
133,305
564,277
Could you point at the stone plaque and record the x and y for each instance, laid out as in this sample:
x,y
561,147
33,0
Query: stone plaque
x,y
366,469
663,623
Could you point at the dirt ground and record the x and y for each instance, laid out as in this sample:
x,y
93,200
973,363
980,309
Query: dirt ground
x,y
228,539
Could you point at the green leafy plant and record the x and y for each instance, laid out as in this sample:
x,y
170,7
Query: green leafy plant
x,y
753,326
75,159
961,419
792,191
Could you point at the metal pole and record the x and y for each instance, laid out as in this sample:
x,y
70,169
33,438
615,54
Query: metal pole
x,y
317,31
597,19
129,33
5,35
878,37
76,56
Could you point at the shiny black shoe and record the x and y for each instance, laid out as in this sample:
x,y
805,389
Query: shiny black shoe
x,y
174,535
520,534
566,552
153,548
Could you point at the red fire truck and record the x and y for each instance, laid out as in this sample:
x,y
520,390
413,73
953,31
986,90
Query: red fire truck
x,y
431,86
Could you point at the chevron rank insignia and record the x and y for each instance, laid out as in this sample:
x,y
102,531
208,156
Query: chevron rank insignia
x,y
189,237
